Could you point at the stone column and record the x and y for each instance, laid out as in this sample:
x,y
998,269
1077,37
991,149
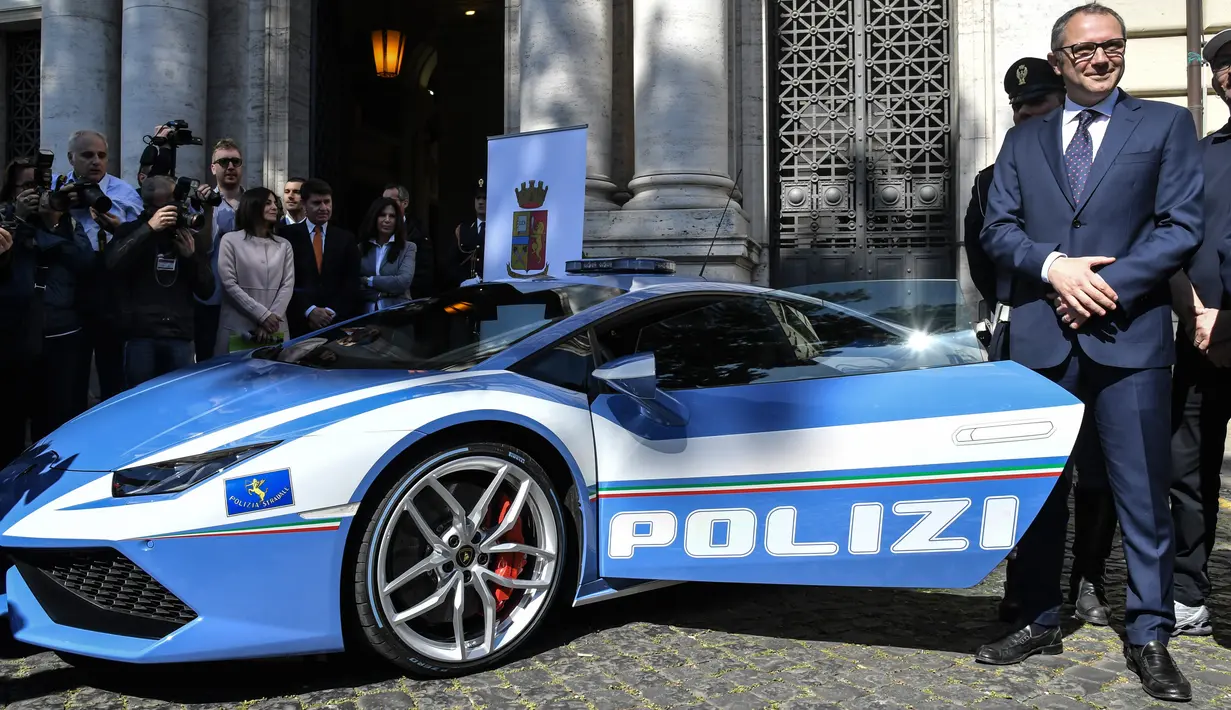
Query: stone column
x,y
164,67
227,95
681,104
80,75
565,80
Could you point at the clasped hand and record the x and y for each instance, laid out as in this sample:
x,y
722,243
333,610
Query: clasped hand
x,y
1211,335
1080,293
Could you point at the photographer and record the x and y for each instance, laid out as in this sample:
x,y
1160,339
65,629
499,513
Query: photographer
x,y
43,254
158,264
89,159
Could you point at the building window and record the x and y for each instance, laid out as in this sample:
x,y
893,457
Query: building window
x,y
23,93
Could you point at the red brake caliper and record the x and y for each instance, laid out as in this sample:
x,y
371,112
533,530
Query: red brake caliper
x,y
508,564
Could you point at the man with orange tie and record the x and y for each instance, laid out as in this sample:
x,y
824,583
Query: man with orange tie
x,y
326,264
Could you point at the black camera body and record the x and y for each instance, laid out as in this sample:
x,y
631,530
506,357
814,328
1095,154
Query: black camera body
x,y
185,198
82,195
159,154
179,135
64,197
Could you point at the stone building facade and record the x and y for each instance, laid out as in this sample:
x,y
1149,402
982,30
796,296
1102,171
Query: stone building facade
x,y
776,141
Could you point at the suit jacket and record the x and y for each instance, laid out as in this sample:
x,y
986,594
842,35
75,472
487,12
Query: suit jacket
x,y
335,286
982,270
424,283
1216,148
462,255
391,279
1141,205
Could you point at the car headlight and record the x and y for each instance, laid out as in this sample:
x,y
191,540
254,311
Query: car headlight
x,y
179,474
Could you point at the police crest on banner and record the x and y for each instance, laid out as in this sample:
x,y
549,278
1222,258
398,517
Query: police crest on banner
x,y
531,176
529,245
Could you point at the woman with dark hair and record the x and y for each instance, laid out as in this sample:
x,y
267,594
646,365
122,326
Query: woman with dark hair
x,y
257,271
386,258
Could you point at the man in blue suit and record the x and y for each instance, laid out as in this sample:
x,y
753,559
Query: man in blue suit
x,y
1097,205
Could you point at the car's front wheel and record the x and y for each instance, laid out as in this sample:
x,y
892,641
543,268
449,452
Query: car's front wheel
x,y
461,561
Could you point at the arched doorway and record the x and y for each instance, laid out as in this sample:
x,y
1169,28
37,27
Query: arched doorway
x,y
427,128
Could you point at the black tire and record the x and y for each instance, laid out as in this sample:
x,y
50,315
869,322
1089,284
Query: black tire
x,y
373,625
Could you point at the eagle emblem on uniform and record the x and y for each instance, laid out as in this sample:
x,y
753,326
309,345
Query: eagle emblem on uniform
x,y
1022,71
529,250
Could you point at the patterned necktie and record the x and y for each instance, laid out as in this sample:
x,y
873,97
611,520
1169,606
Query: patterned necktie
x,y
1080,154
318,245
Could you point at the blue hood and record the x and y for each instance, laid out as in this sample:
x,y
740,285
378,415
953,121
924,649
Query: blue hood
x,y
194,402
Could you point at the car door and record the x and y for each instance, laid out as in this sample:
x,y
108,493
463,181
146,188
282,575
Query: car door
x,y
775,438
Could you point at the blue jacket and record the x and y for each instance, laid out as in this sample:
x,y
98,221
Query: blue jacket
x,y
1142,205
68,256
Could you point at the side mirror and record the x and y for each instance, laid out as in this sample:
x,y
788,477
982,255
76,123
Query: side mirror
x,y
636,376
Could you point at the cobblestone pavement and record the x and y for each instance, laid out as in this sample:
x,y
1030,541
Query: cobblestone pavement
x,y
725,646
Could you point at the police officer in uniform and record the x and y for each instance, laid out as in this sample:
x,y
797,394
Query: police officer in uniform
x,y
1034,89
462,259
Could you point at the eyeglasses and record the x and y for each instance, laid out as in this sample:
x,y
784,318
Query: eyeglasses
x,y
224,162
1085,51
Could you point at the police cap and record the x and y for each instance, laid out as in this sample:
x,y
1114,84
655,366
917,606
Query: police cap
x,y
480,188
1215,45
1031,78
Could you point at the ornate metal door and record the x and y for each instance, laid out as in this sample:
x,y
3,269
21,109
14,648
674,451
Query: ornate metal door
x,y
24,49
864,141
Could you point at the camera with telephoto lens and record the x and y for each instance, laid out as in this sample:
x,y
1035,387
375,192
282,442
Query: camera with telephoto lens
x,y
82,195
63,197
183,198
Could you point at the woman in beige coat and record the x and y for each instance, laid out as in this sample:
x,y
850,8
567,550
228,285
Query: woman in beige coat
x,y
257,270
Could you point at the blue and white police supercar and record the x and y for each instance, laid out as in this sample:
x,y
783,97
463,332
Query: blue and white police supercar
x,y
430,480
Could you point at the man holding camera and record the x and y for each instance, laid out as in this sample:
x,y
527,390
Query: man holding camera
x,y
88,155
158,264
43,255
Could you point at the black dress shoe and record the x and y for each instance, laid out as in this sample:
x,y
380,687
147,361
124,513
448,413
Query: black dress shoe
x,y
1090,605
1009,610
1022,644
1160,677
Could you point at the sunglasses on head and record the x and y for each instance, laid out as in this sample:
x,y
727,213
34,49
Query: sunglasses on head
x,y
226,162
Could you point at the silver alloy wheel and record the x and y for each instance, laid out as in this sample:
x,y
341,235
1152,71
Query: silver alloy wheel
x,y
461,557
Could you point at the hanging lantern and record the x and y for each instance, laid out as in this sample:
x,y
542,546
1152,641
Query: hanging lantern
x,y
387,48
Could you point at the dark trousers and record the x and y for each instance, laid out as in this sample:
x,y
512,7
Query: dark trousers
x,y
147,358
206,330
42,392
1200,409
1094,516
1132,416
103,347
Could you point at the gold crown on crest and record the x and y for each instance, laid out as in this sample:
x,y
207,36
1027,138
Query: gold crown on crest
x,y
532,196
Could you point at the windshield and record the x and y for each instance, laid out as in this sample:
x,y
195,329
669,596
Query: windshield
x,y
926,305
451,332
795,335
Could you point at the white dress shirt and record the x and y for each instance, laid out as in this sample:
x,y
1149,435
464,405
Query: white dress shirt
x,y
1068,130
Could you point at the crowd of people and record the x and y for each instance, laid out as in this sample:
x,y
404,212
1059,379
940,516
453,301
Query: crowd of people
x,y
151,280
1102,220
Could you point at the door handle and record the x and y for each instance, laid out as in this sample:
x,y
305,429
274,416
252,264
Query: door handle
x,y
999,433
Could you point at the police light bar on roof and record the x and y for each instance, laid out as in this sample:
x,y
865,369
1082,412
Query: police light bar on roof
x,y
620,266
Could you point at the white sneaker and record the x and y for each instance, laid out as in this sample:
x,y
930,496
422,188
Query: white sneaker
x,y
1192,621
